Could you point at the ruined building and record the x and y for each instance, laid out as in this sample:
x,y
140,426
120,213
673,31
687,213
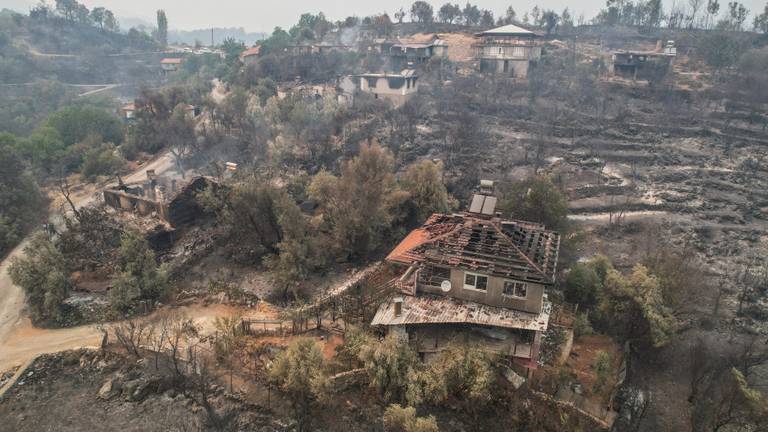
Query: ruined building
x,y
509,50
170,200
644,65
413,53
396,88
169,64
476,277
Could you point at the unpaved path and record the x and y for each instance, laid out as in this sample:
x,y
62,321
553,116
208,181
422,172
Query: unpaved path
x,y
11,296
26,342
19,340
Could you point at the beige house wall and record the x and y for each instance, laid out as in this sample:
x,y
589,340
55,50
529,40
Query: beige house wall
x,y
397,96
494,295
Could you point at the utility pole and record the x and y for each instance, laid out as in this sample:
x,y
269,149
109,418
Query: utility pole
x,y
211,37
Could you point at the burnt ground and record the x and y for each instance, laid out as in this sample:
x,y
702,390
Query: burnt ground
x,y
69,391
64,392
680,173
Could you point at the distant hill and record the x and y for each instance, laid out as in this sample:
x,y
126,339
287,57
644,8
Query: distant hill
x,y
55,49
219,34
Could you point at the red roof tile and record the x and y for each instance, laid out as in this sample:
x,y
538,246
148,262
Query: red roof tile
x,y
507,248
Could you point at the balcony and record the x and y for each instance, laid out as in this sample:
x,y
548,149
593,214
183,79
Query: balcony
x,y
507,52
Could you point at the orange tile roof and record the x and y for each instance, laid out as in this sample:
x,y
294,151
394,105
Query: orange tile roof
x,y
416,237
504,247
252,51
171,61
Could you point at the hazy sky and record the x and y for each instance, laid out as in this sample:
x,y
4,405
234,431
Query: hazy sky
x,y
261,15
264,15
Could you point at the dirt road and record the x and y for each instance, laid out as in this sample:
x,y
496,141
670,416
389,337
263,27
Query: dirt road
x,y
19,340
11,296
25,342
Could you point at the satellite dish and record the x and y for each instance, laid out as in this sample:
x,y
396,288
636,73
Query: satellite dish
x,y
445,286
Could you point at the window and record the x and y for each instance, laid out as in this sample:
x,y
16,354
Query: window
x,y
476,282
515,289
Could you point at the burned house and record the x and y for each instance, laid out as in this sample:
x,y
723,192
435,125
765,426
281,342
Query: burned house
x,y
396,88
170,64
318,48
643,65
404,54
508,50
128,112
169,200
476,277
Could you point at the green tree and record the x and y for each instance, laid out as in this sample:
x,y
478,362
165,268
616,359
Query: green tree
x,y
391,366
162,28
232,49
139,278
737,405
44,149
510,16
276,42
356,340
721,50
448,13
603,368
296,250
98,14
550,19
535,199
471,14
424,183
250,210
760,23
43,275
101,160
67,8
75,123
633,307
110,22
486,20
151,129
460,371
362,204
181,139
422,12
20,198
404,419
583,285
299,371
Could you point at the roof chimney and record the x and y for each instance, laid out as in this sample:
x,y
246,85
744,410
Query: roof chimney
x,y
398,302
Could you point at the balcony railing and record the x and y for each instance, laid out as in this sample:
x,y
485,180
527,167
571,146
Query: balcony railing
x,y
508,52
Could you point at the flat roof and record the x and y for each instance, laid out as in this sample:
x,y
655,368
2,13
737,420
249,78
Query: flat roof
x,y
406,73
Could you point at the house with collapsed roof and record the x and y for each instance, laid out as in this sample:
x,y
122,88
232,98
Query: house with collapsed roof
x,y
476,277
170,64
508,50
644,65
167,199
404,53
396,88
